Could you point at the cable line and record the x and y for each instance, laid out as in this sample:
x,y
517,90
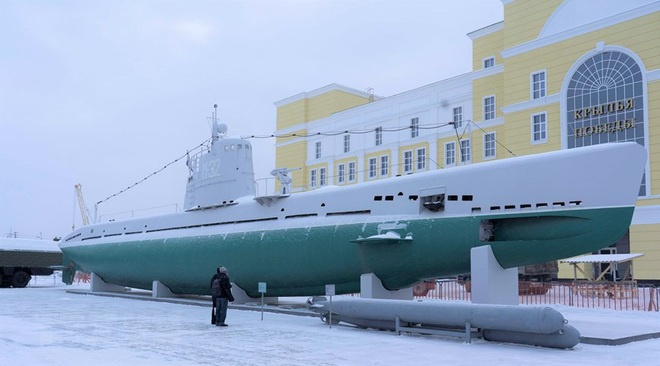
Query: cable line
x,y
327,133
156,172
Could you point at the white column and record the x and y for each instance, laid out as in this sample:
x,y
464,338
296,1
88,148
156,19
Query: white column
x,y
372,288
492,284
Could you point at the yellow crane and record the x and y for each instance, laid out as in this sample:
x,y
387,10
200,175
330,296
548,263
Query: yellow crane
x,y
83,209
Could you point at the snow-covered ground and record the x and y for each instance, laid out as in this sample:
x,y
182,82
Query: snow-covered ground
x,y
45,325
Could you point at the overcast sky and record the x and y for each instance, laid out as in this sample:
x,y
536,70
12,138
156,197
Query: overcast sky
x,y
103,93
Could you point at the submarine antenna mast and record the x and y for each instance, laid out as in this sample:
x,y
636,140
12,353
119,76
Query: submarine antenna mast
x,y
218,130
214,123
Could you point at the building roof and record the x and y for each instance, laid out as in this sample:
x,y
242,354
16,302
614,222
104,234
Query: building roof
x,y
603,258
323,90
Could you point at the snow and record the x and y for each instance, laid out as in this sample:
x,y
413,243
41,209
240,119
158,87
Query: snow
x,y
45,325
387,235
29,245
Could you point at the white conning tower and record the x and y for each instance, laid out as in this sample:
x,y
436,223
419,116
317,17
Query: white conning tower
x,y
221,173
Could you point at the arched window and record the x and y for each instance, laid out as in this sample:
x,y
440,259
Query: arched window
x,y
605,102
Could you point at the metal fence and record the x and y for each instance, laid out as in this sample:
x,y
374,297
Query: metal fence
x,y
621,295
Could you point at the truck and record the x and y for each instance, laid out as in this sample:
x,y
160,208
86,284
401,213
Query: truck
x,y
540,272
20,259
533,279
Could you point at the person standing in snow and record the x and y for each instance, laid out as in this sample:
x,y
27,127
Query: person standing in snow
x,y
221,295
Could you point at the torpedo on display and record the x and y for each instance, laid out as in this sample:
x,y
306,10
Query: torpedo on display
x,y
539,326
404,229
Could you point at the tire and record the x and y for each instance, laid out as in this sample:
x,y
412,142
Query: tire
x,y
20,279
420,289
5,281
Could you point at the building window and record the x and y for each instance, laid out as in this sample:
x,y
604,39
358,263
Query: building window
x,y
489,62
351,171
450,153
539,128
318,150
458,117
489,145
312,179
372,168
489,107
466,151
407,161
341,173
538,85
384,165
347,143
421,158
379,136
322,177
414,127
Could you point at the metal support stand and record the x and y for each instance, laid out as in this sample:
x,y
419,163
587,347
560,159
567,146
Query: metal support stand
x,y
465,335
158,290
98,285
330,311
372,288
262,306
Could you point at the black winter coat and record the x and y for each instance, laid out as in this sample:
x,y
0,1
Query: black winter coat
x,y
225,285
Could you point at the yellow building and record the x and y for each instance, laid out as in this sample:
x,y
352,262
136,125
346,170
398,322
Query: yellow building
x,y
554,74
